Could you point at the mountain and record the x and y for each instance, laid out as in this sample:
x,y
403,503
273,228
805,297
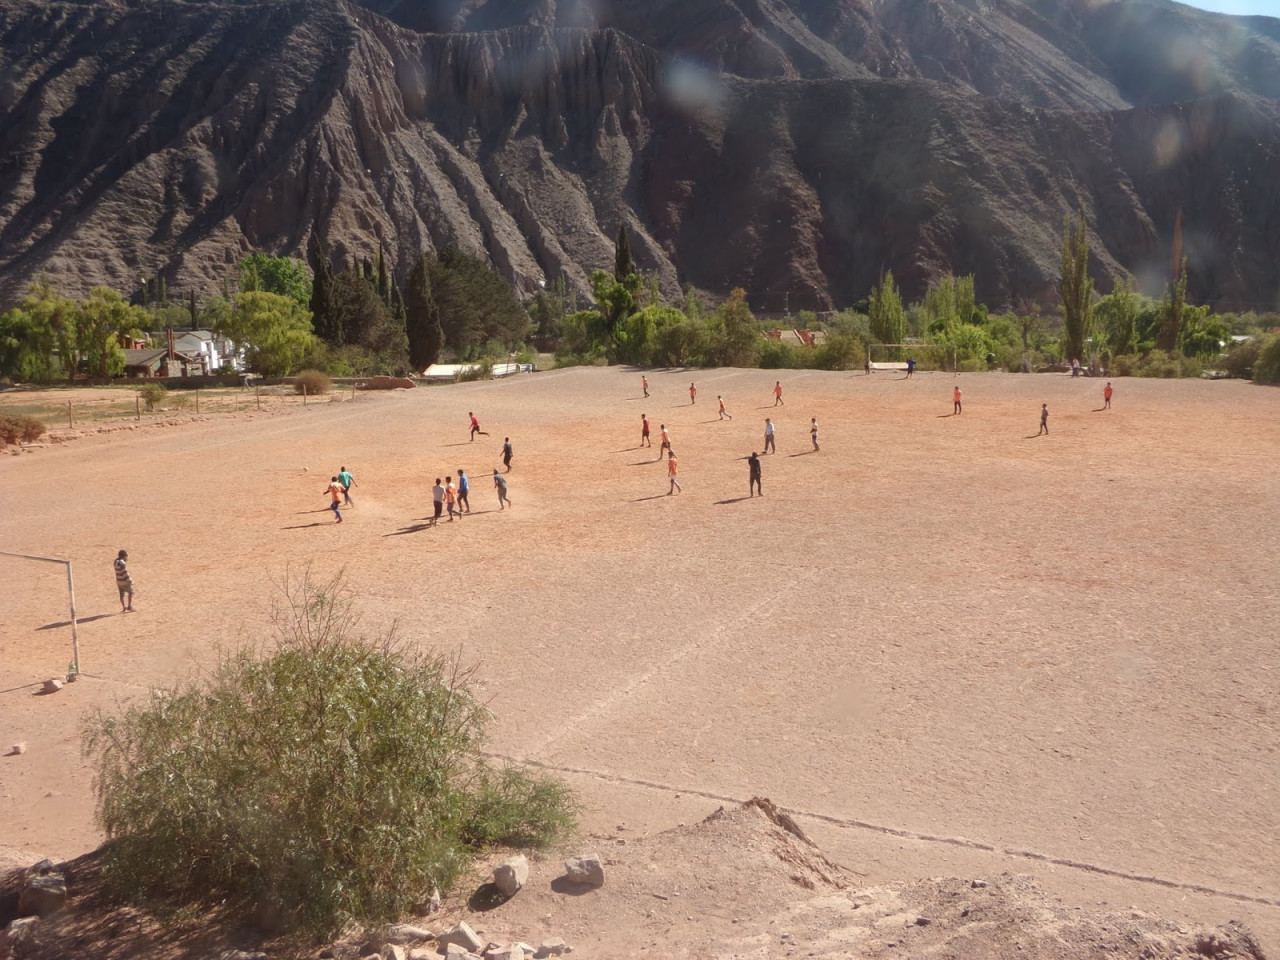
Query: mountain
x,y
796,148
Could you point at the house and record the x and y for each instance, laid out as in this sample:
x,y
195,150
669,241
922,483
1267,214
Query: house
x,y
144,363
211,352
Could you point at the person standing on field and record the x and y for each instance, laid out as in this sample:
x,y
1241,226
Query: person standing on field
x,y
500,483
1106,396
672,469
437,501
955,400
506,453
768,436
777,393
347,481
644,383
813,431
124,582
464,490
1044,419
724,414
475,427
451,498
693,393
666,440
335,493
753,475
644,431
911,367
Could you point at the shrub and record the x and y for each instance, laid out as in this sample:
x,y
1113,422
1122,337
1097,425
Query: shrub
x,y
1162,363
1266,369
328,779
20,428
838,352
776,355
315,382
1240,359
152,394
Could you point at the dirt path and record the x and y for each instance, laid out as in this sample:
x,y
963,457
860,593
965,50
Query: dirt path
x,y
1051,647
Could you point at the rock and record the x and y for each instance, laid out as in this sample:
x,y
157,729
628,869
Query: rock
x,y
432,903
53,684
387,383
510,876
18,749
422,953
978,884
554,947
17,934
404,933
923,921
393,951
243,955
510,951
588,870
456,951
42,894
463,936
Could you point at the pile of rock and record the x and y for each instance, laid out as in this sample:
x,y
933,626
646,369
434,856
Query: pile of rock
x,y
403,942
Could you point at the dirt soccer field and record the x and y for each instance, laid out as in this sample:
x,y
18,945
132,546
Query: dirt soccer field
x,y
948,645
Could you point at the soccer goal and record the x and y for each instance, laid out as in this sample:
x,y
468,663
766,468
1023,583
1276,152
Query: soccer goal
x,y
927,356
71,599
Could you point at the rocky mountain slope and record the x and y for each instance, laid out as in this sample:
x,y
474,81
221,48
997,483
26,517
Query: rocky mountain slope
x,y
796,148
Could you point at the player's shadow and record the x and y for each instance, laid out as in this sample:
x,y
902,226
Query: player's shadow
x,y
303,526
721,503
656,496
802,453
1099,409
943,416
415,528
459,444
641,463
67,623
1034,436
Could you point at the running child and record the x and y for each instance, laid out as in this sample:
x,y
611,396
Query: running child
x,y
724,414
500,484
335,493
475,427
506,453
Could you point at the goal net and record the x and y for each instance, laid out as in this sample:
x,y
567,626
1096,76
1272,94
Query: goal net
x,y
927,356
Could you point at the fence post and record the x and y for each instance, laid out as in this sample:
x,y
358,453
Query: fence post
x,y
137,406
197,400
304,394
71,424
257,396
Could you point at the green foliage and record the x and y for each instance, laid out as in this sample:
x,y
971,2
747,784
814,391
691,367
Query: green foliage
x,y
283,275
275,330
948,303
1266,369
326,780
1241,358
837,352
888,320
623,267
100,320
734,334
549,307
37,336
614,299
20,428
776,355
1075,286
152,395
1117,317
362,318
1204,335
1163,363
312,382
970,340
1170,332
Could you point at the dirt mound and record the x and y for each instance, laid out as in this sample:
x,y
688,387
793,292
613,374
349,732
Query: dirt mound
x,y
745,881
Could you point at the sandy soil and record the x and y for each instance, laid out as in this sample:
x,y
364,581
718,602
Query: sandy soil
x,y
948,646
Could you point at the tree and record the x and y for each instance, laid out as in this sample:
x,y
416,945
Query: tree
x,y
548,308
364,319
274,329
615,298
1204,335
283,275
38,335
1169,336
1075,286
476,305
736,339
422,318
623,267
888,320
100,320
1117,314
321,301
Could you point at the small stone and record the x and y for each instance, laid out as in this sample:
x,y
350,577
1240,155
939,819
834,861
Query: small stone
x,y
53,684
978,884
17,933
393,951
511,875
588,870
328,953
455,951
509,951
463,936
923,921
405,933
551,948
433,902
422,953
18,749
42,895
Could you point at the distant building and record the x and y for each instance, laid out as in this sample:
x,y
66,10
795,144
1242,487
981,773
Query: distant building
x,y
797,338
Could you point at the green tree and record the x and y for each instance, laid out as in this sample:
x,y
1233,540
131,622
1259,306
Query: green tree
x,y
422,317
321,302
1117,316
1075,286
274,329
735,335
283,275
548,308
614,298
623,267
37,337
101,319
1169,335
476,305
1204,334
888,319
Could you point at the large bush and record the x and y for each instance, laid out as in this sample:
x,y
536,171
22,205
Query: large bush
x,y
1266,369
312,382
327,779
19,428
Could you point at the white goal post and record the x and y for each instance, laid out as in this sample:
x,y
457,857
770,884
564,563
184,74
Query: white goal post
x,y
894,356
71,594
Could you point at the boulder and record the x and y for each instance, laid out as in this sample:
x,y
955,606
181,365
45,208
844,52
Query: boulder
x,y
42,894
16,935
456,951
422,953
555,947
53,684
393,951
404,933
588,870
510,951
462,936
511,875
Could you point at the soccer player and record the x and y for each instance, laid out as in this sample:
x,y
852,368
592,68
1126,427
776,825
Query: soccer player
x,y
506,453
475,427
347,481
334,489
464,490
955,400
1044,418
724,414
437,500
644,431
768,436
500,483
753,476
693,393
672,469
451,498
777,393
813,431
1106,396
666,440
644,383
124,582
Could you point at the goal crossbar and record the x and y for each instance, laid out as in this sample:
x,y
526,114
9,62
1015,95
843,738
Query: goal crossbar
x,y
71,594
945,351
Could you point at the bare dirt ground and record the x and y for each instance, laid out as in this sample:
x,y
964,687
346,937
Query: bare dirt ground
x,y
946,645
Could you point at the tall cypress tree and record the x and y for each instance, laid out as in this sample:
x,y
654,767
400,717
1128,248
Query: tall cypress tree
x,y
623,266
323,321
382,282
422,317
1075,286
